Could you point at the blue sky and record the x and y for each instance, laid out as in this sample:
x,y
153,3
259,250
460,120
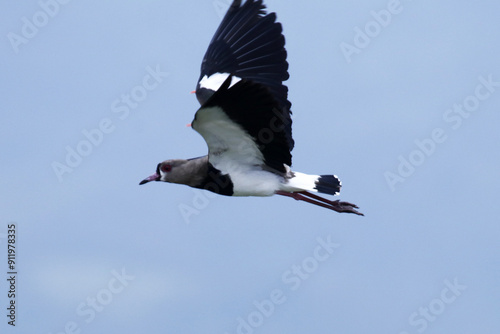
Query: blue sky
x,y
401,100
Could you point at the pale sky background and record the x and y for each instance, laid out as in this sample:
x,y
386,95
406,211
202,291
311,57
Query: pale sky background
x,y
437,226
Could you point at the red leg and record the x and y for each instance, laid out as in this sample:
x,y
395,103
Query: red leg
x,y
323,202
337,202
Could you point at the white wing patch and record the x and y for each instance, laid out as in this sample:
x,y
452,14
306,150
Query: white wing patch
x,y
216,80
231,149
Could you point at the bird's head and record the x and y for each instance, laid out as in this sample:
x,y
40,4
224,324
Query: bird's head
x,y
168,171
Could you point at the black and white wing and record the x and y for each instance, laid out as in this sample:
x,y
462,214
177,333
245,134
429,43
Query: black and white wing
x,y
243,126
248,44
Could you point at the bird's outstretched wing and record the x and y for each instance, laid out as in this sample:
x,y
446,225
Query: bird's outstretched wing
x,y
243,127
248,44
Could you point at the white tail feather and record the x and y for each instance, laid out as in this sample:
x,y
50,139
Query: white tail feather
x,y
326,184
301,182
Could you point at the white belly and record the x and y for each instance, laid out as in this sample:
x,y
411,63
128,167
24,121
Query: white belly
x,y
255,183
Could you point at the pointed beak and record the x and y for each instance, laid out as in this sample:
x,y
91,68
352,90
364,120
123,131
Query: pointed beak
x,y
154,177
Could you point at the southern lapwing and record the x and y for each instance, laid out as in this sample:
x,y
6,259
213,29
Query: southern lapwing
x,y
245,117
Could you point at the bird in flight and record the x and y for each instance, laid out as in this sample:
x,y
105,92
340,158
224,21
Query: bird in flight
x,y
245,117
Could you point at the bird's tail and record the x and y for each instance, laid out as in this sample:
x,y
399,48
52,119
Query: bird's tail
x,y
326,184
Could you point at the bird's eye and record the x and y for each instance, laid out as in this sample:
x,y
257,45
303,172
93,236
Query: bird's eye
x,y
166,168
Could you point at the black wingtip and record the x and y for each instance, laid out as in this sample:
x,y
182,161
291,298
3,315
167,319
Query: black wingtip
x,y
248,43
236,4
